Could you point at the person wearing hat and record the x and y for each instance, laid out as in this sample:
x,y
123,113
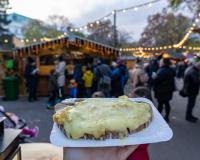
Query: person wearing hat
x,y
191,88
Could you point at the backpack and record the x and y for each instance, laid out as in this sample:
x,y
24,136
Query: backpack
x,y
105,81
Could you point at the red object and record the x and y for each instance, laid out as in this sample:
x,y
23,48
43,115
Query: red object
x,y
141,153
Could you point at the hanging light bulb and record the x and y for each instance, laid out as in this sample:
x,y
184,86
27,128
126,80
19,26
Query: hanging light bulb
x,y
76,30
71,30
124,11
197,20
113,12
105,18
150,4
27,40
85,27
22,41
91,25
65,33
135,9
34,40
80,28
97,22
6,41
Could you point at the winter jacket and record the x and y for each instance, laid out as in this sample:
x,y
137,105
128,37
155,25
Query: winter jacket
x,y
53,85
78,74
164,84
192,81
138,76
31,76
88,79
101,71
60,70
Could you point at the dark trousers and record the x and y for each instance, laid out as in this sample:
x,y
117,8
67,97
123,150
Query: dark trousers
x,y
161,104
88,91
61,93
190,105
32,93
52,97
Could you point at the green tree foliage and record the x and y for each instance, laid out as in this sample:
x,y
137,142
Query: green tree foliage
x,y
4,6
164,29
38,30
193,5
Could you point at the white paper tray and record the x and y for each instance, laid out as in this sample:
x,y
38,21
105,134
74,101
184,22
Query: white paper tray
x,y
157,131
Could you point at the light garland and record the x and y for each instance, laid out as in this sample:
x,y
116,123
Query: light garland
x,y
175,46
104,18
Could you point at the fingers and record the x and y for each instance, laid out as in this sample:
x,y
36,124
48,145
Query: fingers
x,y
124,152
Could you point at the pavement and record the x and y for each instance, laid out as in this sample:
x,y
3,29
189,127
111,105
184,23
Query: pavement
x,y
185,144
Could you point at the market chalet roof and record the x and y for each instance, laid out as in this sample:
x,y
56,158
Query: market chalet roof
x,y
70,42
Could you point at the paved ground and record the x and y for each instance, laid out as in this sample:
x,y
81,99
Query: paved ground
x,y
185,144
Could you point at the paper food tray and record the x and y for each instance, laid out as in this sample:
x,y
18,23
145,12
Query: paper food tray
x,y
157,131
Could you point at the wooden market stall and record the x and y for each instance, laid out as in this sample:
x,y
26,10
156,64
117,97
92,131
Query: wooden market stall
x,y
72,47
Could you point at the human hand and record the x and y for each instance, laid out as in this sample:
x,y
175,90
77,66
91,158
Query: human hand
x,y
104,153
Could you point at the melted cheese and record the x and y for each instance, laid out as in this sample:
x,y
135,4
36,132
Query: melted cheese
x,y
100,115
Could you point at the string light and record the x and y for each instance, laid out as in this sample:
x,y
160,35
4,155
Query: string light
x,y
113,12
150,4
135,8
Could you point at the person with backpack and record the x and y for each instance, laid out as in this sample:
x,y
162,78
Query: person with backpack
x,y
102,76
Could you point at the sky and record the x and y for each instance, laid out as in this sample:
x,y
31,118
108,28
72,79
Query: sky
x,y
80,12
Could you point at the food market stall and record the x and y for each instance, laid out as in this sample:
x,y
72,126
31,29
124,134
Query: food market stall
x,y
71,47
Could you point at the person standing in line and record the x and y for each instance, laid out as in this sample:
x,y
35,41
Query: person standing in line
x,y
116,86
138,76
60,71
31,75
53,89
164,86
191,88
123,70
78,74
88,81
102,76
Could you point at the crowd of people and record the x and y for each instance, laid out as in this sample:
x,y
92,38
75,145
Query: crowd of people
x,y
114,79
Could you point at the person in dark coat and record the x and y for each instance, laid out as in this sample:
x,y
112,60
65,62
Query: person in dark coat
x,y
191,88
31,75
116,86
78,74
102,76
164,86
53,89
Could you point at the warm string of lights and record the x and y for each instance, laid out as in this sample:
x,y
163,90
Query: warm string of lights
x,y
174,46
106,17
93,24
